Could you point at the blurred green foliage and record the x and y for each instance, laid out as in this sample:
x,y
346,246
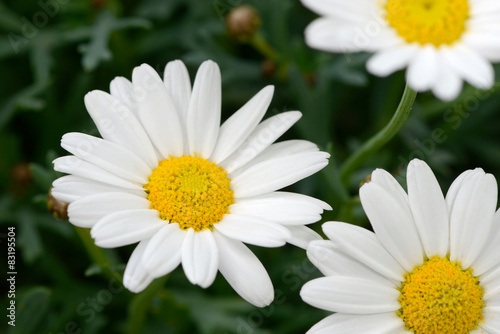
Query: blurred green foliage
x,y
52,52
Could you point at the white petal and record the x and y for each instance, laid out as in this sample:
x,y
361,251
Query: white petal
x,y
448,83
70,188
284,208
388,61
380,323
350,295
163,253
333,35
487,45
117,123
87,211
135,277
471,217
491,322
279,150
423,69
126,227
451,195
253,230
157,111
471,66
122,89
203,117
277,173
489,256
178,84
302,236
365,247
332,261
107,155
200,257
393,224
78,167
238,127
244,272
429,208
389,183
357,11
263,136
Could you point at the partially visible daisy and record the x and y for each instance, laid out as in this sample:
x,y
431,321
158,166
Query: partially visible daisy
x,y
431,267
442,42
168,176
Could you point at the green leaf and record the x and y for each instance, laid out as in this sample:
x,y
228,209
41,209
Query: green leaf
x,y
31,309
29,237
42,177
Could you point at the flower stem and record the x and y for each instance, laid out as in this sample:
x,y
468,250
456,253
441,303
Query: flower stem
x,y
259,42
376,142
141,303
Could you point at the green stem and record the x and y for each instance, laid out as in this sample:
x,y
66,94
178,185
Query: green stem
x,y
141,303
260,43
381,138
96,254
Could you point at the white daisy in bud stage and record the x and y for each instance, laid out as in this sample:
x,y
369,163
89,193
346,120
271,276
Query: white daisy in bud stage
x,y
166,175
442,42
431,267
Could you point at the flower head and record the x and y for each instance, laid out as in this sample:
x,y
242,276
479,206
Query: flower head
x,y
442,42
431,267
166,175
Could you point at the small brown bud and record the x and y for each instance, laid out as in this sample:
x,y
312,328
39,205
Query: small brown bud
x,y
367,179
268,68
242,23
57,208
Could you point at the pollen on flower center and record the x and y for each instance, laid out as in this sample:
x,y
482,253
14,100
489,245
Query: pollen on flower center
x,y
439,297
190,191
436,22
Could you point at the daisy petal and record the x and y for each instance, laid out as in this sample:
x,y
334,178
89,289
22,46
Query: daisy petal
x,y
389,61
365,247
135,277
200,257
70,188
238,127
471,66
203,117
492,322
163,253
117,123
87,211
244,272
332,261
423,69
264,135
489,256
386,323
78,167
428,208
342,10
253,230
281,207
178,84
471,217
302,236
122,89
448,83
350,295
157,111
393,224
107,155
451,195
126,227
277,173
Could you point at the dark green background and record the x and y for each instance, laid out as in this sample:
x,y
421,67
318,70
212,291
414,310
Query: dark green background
x,y
47,66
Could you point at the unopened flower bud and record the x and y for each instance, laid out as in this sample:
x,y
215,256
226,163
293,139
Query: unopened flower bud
x,y
57,208
242,23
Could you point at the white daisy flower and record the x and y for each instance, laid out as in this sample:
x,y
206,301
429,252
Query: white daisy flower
x,y
442,42
431,267
166,175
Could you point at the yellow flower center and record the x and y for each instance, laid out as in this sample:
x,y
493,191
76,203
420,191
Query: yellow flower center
x,y
428,21
439,297
190,191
